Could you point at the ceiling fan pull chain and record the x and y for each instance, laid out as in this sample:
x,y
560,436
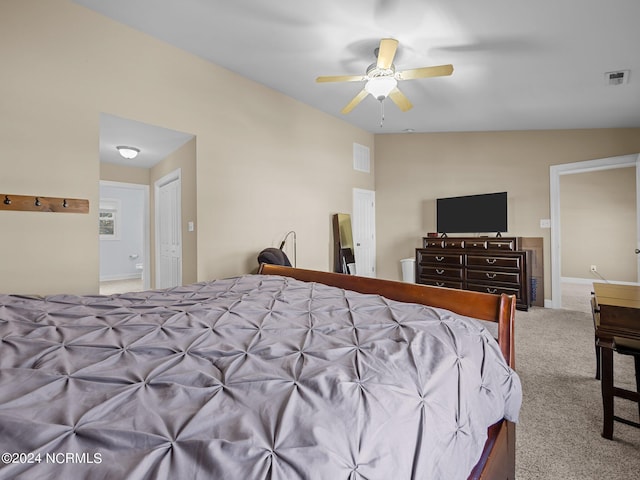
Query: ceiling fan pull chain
x,y
381,112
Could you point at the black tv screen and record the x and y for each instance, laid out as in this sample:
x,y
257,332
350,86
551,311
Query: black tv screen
x,y
472,213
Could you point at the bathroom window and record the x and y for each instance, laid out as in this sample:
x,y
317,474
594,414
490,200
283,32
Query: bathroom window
x,y
109,219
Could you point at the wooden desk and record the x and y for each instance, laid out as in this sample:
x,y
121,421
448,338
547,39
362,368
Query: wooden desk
x,y
617,327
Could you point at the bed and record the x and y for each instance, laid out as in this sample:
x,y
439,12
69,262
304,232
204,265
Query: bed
x,y
285,374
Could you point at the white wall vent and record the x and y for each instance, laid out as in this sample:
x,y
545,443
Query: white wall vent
x,y
361,158
617,78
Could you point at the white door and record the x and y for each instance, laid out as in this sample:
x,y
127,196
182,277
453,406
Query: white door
x,y
364,231
168,231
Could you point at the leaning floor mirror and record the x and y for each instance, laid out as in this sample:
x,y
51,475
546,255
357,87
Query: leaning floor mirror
x,y
343,253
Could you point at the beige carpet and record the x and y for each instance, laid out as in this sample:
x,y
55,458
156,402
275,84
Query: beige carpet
x,y
577,296
558,436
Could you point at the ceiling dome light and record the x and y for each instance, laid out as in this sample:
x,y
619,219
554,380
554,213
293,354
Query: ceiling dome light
x,y
380,87
128,152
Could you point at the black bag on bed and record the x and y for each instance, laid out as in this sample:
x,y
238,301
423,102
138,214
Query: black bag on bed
x,y
274,256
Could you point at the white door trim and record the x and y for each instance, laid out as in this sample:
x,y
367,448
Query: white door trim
x,y
146,229
175,175
555,171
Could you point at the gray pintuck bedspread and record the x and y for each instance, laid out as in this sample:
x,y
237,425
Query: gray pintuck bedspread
x,y
255,377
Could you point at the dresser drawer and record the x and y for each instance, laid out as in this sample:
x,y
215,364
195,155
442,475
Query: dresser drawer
x,y
501,245
432,243
494,289
493,261
441,283
453,243
488,276
475,245
435,272
436,259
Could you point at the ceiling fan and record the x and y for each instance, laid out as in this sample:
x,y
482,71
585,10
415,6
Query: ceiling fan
x,y
382,77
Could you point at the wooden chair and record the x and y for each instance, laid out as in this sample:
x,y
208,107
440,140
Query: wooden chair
x,y
633,350
623,347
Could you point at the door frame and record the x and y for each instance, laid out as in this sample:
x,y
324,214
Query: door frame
x,y
146,229
175,175
555,172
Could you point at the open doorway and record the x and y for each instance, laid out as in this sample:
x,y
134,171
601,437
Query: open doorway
x,y
124,237
159,151
599,242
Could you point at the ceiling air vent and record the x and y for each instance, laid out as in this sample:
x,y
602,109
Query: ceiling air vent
x,y
617,78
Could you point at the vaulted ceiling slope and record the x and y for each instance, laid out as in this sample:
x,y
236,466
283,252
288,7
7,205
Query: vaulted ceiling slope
x,y
518,65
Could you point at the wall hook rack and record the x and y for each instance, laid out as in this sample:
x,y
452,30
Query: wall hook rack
x,y
32,203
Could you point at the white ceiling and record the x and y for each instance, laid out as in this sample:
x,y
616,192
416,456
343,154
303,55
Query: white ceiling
x,y
518,64
155,143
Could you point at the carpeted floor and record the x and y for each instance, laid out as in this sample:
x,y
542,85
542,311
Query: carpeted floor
x,y
558,436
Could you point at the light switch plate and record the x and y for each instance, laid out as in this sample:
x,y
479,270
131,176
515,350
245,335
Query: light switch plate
x,y
545,223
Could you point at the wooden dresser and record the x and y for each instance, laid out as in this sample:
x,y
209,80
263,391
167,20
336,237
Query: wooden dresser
x,y
483,264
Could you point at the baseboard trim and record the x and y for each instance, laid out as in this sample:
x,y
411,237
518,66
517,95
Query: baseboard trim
x,y
589,281
126,276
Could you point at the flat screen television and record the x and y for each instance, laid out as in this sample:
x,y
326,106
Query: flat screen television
x,y
484,213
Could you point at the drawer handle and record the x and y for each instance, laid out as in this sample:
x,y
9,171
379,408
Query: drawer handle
x,y
439,284
490,261
439,272
490,275
439,259
492,290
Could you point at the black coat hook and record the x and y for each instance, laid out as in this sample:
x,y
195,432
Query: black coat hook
x,y
7,200
64,203
38,202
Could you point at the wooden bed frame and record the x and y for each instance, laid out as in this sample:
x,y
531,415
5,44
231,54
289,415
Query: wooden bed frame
x,y
498,456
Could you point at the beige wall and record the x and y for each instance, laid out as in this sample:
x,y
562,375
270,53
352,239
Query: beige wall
x,y
266,163
412,170
598,224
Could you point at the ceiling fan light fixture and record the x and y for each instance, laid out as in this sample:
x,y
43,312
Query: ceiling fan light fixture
x,y
128,152
380,87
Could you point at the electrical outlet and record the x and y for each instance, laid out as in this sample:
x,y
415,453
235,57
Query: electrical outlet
x,y
594,268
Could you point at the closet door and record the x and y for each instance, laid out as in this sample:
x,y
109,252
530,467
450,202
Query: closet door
x,y
364,231
168,231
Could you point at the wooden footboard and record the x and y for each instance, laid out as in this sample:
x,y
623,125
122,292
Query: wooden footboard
x,y
498,457
498,460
